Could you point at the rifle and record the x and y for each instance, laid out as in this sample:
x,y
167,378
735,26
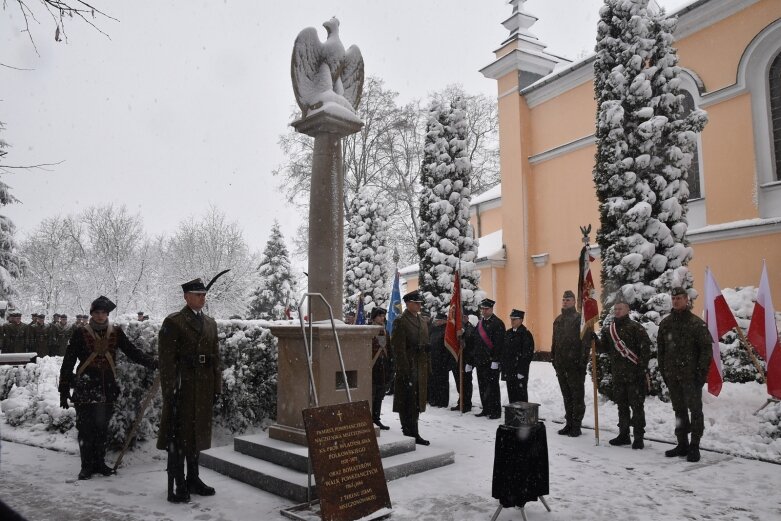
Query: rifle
x,y
139,416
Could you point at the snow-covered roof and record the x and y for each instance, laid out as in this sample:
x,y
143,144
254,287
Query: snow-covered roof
x,y
491,248
488,195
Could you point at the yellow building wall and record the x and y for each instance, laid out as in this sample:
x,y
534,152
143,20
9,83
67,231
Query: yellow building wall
x,y
487,221
544,204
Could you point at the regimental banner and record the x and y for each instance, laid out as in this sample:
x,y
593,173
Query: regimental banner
x,y
346,462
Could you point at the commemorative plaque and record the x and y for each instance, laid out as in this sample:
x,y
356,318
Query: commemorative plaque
x,y
346,462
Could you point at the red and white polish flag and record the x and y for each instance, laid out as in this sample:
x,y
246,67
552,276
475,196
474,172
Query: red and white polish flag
x,y
720,320
763,335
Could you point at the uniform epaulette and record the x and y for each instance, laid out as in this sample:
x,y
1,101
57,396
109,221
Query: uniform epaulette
x,y
174,314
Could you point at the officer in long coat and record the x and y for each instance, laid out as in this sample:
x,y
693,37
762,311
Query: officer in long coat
x,y
15,337
516,357
569,355
485,349
684,348
381,365
441,364
410,343
191,380
94,385
629,348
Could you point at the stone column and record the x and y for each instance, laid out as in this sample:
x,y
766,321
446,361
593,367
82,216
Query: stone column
x,y
326,206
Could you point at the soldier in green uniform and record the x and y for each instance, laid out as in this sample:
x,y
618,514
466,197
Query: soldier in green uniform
x,y
51,334
569,355
94,385
61,334
684,354
191,380
410,341
38,333
15,337
629,348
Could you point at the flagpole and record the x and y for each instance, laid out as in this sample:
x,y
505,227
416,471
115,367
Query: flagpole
x,y
586,240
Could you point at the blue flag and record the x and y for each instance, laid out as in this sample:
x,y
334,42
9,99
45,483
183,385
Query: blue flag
x,y
394,307
360,316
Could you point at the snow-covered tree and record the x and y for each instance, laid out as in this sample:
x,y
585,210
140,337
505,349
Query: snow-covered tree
x,y
367,256
446,238
277,287
644,147
12,265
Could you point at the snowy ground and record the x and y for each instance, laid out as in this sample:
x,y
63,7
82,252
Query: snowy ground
x,y
588,482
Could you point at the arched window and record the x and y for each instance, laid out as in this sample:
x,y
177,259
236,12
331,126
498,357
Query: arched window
x,y
774,81
695,187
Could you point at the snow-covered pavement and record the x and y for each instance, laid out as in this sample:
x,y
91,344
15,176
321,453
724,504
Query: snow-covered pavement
x,y
587,482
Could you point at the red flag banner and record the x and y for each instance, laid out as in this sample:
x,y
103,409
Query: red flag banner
x,y
587,294
720,320
455,319
763,335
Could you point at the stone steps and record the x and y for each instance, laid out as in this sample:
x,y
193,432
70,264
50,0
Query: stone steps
x,y
281,468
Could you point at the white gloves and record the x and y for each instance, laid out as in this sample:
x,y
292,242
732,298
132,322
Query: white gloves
x,y
520,376
494,365
468,368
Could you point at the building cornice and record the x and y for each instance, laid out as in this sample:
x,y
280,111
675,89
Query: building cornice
x,y
566,148
517,60
734,230
697,16
555,84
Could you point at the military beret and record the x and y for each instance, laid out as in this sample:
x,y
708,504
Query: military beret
x,y
517,313
620,298
678,290
441,316
413,296
140,313
15,314
56,315
377,311
194,286
568,294
103,304
487,303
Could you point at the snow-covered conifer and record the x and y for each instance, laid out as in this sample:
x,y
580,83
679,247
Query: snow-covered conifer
x,y
446,238
11,263
367,256
277,286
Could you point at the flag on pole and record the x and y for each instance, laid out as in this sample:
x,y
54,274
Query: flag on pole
x,y
720,320
360,315
763,335
394,306
455,319
587,294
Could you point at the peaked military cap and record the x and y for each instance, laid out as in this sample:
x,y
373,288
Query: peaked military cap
x,y
15,314
63,316
102,304
568,294
413,296
487,303
56,315
678,290
140,313
194,286
517,313
441,316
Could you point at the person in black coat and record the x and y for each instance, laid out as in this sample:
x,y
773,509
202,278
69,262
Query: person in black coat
x,y
466,334
485,346
516,356
441,363
95,388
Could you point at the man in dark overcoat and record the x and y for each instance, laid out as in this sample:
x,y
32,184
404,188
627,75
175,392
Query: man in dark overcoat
x,y
191,381
410,343
94,385
486,346
684,354
569,354
516,357
15,338
441,364
37,332
60,336
629,348
381,365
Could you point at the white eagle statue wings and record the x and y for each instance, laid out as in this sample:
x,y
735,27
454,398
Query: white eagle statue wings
x,y
324,72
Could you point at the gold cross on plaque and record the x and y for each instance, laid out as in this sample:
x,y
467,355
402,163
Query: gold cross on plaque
x,y
339,414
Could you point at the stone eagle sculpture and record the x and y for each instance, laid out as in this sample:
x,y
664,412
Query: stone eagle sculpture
x,y
323,72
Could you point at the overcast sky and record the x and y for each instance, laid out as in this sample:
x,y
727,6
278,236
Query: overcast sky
x,y
182,107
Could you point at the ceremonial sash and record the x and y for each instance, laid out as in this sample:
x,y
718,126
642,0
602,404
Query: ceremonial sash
x,y
621,346
484,335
